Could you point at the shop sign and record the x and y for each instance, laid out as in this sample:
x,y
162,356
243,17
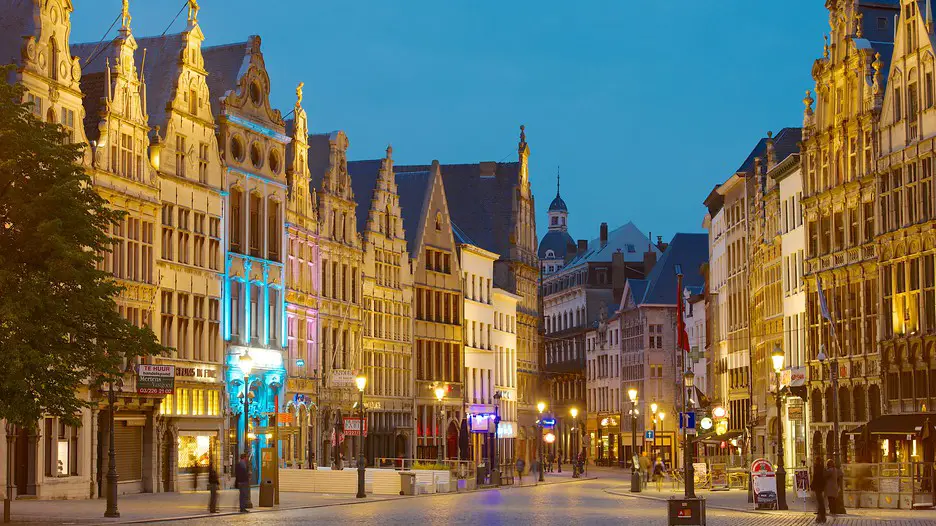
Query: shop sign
x,y
763,476
285,418
373,406
719,477
506,429
341,378
300,385
801,483
483,423
482,409
352,426
155,379
199,372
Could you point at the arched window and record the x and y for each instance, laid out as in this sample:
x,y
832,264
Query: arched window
x,y
53,58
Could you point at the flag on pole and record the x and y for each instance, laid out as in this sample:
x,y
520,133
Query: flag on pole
x,y
682,337
824,307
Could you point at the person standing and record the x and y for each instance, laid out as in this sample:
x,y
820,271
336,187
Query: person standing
x,y
833,479
818,486
213,485
242,480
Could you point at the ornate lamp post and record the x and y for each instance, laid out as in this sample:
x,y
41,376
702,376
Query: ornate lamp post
x,y
245,363
541,407
440,395
361,382
111,510
653,414
635,477
689,381
575,469
777,358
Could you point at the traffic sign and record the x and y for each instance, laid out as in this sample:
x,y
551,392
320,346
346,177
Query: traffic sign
x,y
649,435
687,420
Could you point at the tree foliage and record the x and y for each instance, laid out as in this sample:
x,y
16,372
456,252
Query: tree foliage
x,y
59,325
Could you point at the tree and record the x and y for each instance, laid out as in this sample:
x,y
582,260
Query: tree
x,y
59,324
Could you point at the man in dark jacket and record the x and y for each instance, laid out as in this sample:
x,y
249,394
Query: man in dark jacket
x,y
242,480
213,484
818,485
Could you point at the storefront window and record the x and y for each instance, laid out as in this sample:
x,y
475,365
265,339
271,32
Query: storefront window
x,y
214,408
198,402
166,407
195,450
182,404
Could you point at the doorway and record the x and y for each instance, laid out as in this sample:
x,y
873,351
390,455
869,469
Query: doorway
x,y
24,475
451,441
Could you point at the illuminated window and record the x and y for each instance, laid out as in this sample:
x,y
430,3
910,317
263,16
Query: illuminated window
x,y
166,407
195,451
213,403
182,407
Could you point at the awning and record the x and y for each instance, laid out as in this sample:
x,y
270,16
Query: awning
x,y
711,437
907,424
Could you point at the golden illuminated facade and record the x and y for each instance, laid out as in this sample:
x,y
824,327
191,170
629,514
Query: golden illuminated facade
x,y
838,153
388,311
36,40
117,126
767,298
341,260
302,290
906,236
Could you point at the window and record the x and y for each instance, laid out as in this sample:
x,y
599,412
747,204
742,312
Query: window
x,y
898,111
273,222
203,163
214,243
913,109
68,122
182,326
182,405
237,197
166,319
167,231
928,87
193,101
36,103
180,155
214,330
183,235
255,230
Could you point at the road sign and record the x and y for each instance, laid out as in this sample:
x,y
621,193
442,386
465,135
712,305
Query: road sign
x,y
687,420
649,435
548,422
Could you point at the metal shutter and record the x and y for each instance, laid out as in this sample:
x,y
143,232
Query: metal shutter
x,y
128,445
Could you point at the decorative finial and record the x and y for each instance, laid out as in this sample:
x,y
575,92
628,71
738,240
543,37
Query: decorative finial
x,y
770,135
299,93
389,151
808,102
522,134
125,14
193,11
877,65
859,16
825,47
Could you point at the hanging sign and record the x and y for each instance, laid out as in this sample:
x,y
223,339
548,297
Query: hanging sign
x,y
155,379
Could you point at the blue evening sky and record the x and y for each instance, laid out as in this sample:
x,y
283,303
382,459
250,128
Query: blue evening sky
x,y
645,105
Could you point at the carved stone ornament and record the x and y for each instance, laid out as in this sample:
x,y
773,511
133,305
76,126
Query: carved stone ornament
x,y
29,49
76,69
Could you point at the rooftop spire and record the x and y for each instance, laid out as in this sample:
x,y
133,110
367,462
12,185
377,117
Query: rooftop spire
x,y
557,180
929,17
523,142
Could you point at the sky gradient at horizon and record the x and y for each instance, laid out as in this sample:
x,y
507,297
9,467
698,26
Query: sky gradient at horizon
x,y
645,107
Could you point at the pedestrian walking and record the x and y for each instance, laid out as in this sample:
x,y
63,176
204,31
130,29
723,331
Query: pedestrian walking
x,y
213,485
833,482
645,467
521,465
242,480
559,461
818,486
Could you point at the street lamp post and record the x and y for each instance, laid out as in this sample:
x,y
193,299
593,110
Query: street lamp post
x,y
575,468
653,413
361,382
111,510
541,407
689,380
245,363
440,395
9,472
635,477
777,358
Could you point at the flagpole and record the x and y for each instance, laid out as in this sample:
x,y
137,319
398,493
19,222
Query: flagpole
x,y
836,349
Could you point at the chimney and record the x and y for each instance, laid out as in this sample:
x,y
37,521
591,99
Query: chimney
x,y
649,261
618,274
570,249
660,244
603,234
582,246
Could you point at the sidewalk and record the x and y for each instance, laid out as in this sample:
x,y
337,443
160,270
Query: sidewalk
x,y
162,506
736,500
152,507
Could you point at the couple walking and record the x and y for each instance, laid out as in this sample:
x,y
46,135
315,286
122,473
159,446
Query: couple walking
x,y
827,485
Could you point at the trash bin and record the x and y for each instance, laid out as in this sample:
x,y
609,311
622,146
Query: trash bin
x,y
407,483
266,493
496,477
686,511
482,474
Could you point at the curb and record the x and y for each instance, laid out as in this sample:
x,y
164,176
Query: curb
x,y
350,503
611,491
